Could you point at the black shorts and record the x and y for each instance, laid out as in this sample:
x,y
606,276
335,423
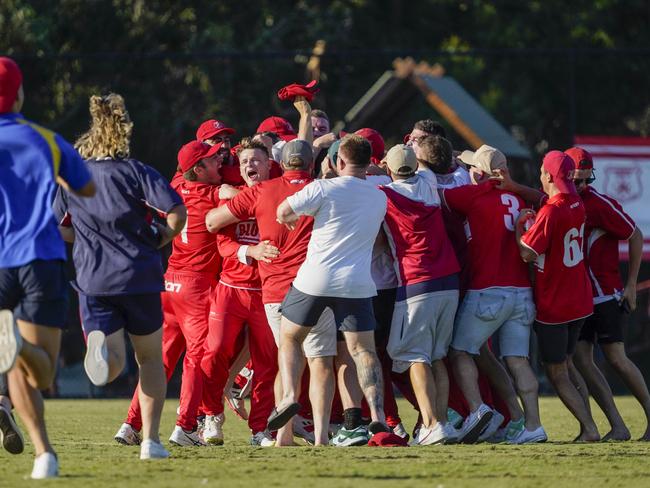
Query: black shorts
x,y
137,314
383,306
350,314
557,341
606,324
36,292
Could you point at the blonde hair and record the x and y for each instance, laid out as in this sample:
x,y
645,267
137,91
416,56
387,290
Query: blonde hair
x,y
110,130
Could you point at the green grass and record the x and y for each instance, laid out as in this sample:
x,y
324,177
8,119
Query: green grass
x,y
82,431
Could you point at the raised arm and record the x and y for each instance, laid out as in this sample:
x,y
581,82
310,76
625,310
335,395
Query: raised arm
x,y
218,218
305,131
530,195
286,216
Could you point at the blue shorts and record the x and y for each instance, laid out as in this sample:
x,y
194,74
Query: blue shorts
x,y
36,292
138,314
350,314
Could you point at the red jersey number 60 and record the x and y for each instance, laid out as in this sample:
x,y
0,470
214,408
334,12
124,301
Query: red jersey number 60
x,y
573,246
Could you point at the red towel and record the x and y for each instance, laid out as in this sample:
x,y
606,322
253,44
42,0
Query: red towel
x,y
294,90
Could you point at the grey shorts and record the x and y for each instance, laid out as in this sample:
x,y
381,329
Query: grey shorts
x,y
422,328
321,340
506,312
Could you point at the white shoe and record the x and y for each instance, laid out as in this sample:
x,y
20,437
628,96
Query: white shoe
x,y
96,361
10,341
153,450
213,429
262,439
492,426
428,436
530,436
474,424
128,436
182,438
45,466
304,428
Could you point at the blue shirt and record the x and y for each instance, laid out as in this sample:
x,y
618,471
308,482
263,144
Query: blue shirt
x,y
31,157
115,250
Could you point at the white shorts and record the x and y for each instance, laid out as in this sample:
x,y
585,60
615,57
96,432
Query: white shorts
x,y
321,340
422,328
506,313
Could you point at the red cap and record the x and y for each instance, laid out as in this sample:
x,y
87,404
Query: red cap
x,y
280,126
387,439
193,152
561,167
211,128
375,140
584,163
10,80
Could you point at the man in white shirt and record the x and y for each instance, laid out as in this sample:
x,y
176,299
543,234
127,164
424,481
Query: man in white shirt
x,y
348,212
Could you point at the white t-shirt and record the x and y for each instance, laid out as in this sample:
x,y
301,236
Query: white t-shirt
x,y
459,177
348,213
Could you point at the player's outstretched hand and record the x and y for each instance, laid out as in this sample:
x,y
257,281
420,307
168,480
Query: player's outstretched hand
x,y
325,140
264,251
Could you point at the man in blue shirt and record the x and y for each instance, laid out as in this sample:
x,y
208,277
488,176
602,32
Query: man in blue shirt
x,y
33,286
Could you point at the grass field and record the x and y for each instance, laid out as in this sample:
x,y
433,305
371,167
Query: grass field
x,y
82,432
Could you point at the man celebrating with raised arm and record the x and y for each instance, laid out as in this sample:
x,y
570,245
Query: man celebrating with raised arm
x,y
335,274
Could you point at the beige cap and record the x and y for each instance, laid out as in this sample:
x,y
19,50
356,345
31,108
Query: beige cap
x,y
401,160
485,158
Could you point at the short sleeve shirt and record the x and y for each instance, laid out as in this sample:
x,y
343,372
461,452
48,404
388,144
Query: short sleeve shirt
x,y
562,288
493,254
31,157
607,224
115,250
348,213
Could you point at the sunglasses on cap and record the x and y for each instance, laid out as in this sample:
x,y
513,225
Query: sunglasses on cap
x,y
586,181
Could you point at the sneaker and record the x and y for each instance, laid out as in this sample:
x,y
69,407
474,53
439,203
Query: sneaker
x,y
262,439
10,341
499,436
213,430
400,431
474,424
454,418
531,436
349,438
128,436
96,361
45,466
304,428
242,387
452,434
514,429
10,435
153,450
237,405
377,427
492,426
333,429
427,436
182,437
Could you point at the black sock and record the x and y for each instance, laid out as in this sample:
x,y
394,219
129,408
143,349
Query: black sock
x,y
4,385
352,418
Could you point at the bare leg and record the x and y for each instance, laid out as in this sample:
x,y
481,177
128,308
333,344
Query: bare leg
x,y
500,380
153,384
558,373
600,390
579,382
238,364
425,391
527,389
116,346
631,376
34,371
348,381
321,393
441,380
362,349
467,377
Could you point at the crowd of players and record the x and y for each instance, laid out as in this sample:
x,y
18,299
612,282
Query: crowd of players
x,y
315,272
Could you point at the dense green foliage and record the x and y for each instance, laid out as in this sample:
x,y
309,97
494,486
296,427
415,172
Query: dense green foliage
x,y
545,69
